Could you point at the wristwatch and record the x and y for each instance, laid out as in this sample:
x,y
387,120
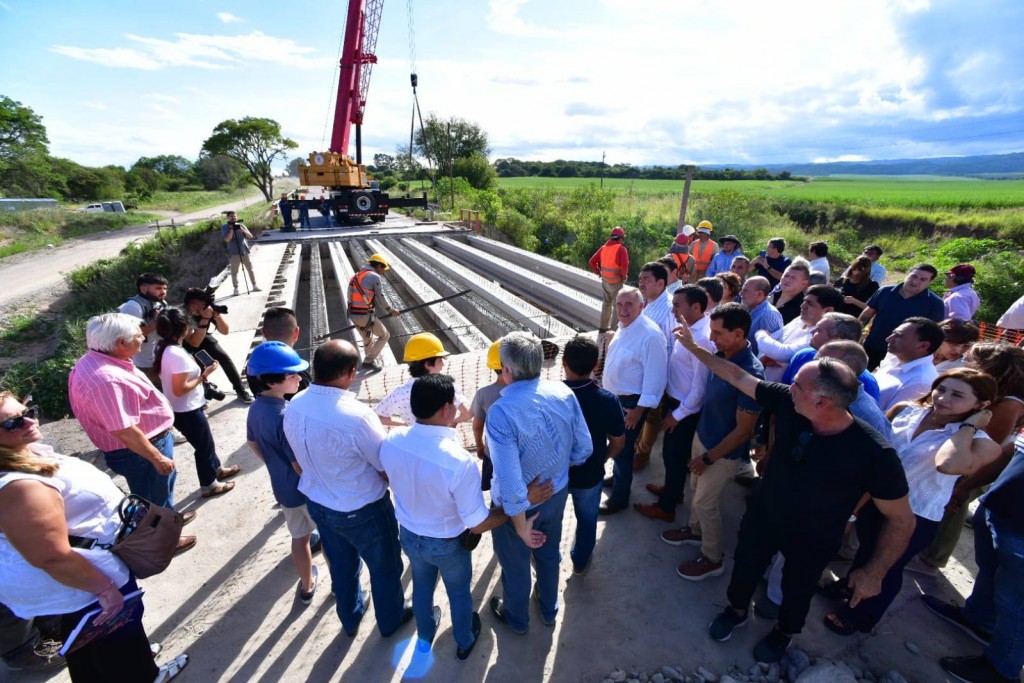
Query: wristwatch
x,y
706,460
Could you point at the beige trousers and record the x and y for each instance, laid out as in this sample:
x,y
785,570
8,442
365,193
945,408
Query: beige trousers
x,y
243,259
609,319
705,498
374,336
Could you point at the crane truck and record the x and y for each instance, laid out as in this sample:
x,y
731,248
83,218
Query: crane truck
x,y
350,192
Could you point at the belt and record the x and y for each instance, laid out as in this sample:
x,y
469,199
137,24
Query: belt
x,y
630,397
159,437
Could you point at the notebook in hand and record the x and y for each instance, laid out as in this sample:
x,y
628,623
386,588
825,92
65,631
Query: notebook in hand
x,y
86,631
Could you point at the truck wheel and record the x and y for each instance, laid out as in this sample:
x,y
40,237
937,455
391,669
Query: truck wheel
x,y
364,203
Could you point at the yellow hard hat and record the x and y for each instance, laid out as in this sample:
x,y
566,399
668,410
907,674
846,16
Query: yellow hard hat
x,y
493,356
377,258
705,224
423,346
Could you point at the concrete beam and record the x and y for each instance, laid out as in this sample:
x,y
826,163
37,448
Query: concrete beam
x,y
586,282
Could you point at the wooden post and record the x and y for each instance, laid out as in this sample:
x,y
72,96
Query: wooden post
x,y
686,199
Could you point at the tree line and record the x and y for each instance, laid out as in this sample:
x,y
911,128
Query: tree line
x,y
560,168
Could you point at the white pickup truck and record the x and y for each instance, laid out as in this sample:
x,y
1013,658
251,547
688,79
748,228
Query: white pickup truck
x,y
101,207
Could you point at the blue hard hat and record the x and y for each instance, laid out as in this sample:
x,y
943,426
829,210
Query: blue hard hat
x,y
274,357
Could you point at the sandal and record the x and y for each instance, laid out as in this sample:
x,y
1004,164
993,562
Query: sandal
x,y
171,669
225,473
217,489
833,622
835,590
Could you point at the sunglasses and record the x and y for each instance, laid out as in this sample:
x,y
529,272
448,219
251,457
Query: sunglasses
x,y
13,424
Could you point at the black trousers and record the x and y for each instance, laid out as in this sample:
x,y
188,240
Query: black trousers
x,y
210,345
677,451
122,655
760,538
196,429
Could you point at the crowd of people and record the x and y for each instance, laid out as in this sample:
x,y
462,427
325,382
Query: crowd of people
x,y
864,417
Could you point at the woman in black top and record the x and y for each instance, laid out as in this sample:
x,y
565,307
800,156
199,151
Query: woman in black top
x,y
857,286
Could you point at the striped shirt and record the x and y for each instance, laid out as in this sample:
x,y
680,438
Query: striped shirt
x,y
108,394
660,311
336,441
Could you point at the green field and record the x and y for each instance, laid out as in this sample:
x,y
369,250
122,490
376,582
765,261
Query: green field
x,y
192,200
921,192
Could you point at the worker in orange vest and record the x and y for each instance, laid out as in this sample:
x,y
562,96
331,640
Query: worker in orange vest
x,y
611,262
680,253
363,289
703,249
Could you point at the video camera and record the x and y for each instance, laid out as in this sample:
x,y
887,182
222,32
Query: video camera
x,y
149,313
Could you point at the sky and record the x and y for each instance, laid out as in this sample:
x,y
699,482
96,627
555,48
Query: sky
x,y
640,81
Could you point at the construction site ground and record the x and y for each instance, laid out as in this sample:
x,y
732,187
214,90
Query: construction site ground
x,y
231,602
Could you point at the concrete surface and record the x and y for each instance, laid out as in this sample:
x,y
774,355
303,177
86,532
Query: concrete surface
x,y
231,602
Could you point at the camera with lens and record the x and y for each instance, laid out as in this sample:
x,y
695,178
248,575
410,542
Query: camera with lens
x,y
196,294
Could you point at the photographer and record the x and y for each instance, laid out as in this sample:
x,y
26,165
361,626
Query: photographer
x,y
146,305
209,317
235,234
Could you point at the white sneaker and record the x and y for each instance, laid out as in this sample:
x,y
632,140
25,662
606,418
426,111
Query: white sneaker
x,y
236,291
256,289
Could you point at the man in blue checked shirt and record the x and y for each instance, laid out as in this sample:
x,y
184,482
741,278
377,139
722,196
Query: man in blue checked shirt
x,y
536,429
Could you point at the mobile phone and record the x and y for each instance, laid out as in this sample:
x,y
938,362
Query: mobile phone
x,y
204,359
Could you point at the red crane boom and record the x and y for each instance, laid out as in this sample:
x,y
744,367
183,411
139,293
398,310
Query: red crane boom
x,y
359,54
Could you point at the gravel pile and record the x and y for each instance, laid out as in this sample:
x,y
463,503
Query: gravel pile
x,y
796,667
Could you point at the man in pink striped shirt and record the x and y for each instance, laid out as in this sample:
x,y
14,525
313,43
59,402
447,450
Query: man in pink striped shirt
x,y
121,411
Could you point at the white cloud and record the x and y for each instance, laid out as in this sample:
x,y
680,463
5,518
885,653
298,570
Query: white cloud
x,y
229,18
93,104
160,97
200,51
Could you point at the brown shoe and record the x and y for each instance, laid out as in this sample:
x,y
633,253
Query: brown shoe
x,y
185,543
640,461
684,536
654,512
700,569
188,516
658,489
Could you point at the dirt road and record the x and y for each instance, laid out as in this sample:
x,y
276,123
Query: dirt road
x,y
38,277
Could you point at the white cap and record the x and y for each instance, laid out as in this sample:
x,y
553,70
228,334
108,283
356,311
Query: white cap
x,y
688,230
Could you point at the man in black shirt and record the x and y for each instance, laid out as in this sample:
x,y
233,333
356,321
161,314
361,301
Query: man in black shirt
x,y
823,462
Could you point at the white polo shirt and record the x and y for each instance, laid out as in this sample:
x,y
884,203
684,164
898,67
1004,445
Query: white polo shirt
x,y
435,481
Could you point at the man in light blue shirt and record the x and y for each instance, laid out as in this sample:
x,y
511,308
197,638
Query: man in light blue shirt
x,y
763,315
864,407
536,429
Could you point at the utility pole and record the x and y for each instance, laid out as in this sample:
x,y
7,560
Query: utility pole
x,y
602,170
686,199
451,164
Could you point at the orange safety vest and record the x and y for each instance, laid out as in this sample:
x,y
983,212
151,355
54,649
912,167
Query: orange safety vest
x,y
703,260
610,270
360,301
681,260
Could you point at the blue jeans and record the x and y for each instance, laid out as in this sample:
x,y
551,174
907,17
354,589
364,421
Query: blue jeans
x,y
996,603
143,479
370,535
515,557
428,556
585,503
622,472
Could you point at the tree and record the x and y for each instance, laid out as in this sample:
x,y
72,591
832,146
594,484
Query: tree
x,y
253,142
477,170
444,140
217,172
293,166
24,166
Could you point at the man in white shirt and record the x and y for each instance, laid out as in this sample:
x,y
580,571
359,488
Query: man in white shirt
x,y
687,378
635,370
1013,319
672,269
336,441
878,271
437,498
778,347
818,252
907,373
657,307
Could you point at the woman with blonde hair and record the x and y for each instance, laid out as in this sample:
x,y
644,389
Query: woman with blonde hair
x,y
45,499
938,439
857,286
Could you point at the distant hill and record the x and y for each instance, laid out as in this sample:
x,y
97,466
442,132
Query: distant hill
x,y
993,165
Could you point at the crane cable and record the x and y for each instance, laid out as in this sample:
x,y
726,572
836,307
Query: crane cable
x,y
414,79
331,91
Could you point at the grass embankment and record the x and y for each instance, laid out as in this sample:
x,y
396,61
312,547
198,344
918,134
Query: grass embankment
x,y
941,221
194,200
101,287
27,230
